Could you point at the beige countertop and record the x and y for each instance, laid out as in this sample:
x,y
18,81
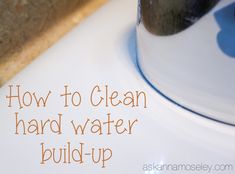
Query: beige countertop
x,y
29,27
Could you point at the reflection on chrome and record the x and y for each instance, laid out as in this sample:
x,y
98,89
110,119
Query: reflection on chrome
x,y
166,17
190,64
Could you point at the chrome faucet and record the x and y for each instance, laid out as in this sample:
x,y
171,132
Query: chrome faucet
x,y
186,52
166,17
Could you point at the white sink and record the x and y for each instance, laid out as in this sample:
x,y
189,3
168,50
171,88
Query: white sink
x,y
101,51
